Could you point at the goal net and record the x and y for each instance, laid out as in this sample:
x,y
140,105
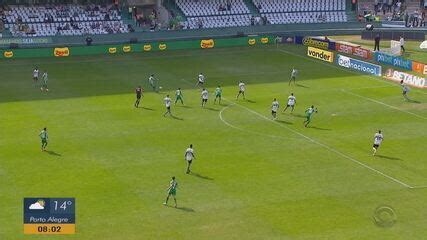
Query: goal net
x,y
394,48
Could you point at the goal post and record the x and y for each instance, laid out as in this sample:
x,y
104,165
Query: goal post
x,y
395,48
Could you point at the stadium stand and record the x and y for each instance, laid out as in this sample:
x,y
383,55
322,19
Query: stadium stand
x,y
63,20
306,17
302,11
75,20
214,13
221,13
409,12
218,21
193,8
274,6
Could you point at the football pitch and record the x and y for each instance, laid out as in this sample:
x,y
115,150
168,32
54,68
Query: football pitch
x,y
254,178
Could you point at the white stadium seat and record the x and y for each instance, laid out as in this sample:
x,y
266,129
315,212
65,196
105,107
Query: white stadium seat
x,y
207,13
50,21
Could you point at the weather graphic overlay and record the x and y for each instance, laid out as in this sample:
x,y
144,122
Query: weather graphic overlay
x,y
49,216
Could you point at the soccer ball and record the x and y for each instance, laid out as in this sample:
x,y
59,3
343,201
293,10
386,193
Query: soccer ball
x,y
160,87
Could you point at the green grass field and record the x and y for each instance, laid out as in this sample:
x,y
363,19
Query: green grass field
x,y
413,50
253,178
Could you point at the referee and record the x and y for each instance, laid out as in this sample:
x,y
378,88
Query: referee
x,y
377,42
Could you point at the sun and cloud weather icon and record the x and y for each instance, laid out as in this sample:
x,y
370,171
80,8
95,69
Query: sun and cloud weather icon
x,y
39,205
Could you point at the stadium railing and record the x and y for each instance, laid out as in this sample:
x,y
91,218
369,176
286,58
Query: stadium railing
x,y
298,29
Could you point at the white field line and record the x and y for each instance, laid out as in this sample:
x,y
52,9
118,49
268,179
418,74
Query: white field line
x,y
344,69
332,66
324,146
327,147
245,130
277,72
384,104
373,87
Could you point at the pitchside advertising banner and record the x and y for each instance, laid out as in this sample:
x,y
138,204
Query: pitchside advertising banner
x,y
397,76
361,66
393,60
320,54
285,39
315,42
352,50
419,67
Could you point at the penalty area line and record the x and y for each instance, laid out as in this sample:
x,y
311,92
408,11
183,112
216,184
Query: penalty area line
x,y
326,147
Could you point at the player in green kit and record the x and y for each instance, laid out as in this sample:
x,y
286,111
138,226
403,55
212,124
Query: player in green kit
x,y
44,84
44,137
218,94
152,82
309,114
173,185
179,96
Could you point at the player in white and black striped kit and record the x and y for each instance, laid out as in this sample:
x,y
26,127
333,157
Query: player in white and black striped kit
x,y
291,103
167,100
36,75
241,90
274,108
200,80
378,138
293,76
205,96
189,156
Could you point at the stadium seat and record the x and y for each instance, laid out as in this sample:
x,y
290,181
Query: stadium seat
x,y
207,13
66,20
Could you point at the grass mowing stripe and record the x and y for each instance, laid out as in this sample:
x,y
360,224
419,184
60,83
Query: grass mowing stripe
x,y
327,147
320,144
366,76
343,69
110,58
245,130
333,66
384,104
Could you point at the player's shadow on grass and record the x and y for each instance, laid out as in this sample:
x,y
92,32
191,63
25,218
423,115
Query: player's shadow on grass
x,y
177,118
53,153
185,209
300,85
250,101
282,121
299,115
413,101
387,157
212,109
184,106
319,128
146,108
222,105
201,176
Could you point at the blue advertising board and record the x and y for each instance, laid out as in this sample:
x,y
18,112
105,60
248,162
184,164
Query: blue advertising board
x,y
393,60
357,65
